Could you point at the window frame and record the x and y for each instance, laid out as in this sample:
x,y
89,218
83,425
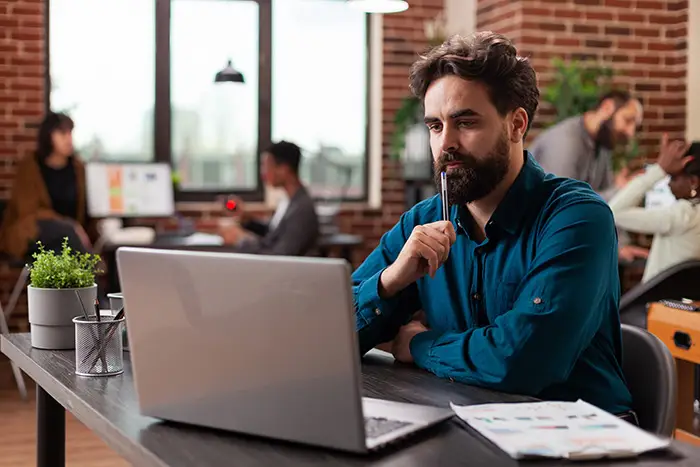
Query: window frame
x,y
162,125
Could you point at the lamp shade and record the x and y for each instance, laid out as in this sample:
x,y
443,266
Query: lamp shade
x,y
229,75
379,6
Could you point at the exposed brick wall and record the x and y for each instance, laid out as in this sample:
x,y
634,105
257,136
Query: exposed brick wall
x,y
644,41
21,81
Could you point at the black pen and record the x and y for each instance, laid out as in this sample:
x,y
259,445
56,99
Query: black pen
x,y
443,196
100,335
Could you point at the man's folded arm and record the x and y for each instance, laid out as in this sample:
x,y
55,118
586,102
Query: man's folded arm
x,y
379,319
557,311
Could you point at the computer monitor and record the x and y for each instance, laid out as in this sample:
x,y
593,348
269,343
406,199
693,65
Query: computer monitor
x,y
129,189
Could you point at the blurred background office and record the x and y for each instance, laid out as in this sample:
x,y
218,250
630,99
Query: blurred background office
x,y
196,89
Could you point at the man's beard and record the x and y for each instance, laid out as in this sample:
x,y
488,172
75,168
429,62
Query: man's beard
x,y
607,137
475,178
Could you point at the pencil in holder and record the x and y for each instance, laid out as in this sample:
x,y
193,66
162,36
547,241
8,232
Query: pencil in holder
x,y
98,346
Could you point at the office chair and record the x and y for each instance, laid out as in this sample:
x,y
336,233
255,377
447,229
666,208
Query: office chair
x,y
676,282
650,372
5,314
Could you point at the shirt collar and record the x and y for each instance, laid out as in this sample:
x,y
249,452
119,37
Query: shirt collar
x,y
514,206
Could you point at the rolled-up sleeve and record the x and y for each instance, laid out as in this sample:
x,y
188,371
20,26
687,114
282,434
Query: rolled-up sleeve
x,y
558,309
377,319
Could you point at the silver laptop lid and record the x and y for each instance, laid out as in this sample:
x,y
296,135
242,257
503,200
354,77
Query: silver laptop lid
x,y
262,345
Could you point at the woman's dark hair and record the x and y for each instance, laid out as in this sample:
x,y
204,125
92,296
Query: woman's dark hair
x,y
52,122
693,167
486,57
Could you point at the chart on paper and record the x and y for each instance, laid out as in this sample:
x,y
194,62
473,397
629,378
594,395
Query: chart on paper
x,y
570,430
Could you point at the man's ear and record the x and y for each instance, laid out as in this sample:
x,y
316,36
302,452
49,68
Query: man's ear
x,y
518,125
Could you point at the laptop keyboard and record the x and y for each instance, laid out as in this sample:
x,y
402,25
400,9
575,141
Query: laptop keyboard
x,y
377,426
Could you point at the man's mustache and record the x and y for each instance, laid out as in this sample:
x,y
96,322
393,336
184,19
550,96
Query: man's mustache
x,y
447,158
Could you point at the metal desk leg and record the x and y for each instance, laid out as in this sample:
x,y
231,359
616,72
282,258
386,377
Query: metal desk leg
x,y
50,430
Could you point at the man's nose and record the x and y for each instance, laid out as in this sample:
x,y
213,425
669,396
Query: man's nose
x,y
450,140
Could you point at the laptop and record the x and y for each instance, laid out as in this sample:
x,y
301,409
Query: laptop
x,y
261,345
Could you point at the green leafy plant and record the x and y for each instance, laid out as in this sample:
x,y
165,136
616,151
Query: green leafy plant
x,y
406,116
576,87
67,270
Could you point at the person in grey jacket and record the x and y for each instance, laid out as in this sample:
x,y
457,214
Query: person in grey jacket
x,y
581,147
293,229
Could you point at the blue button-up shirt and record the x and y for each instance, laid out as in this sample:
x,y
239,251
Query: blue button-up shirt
x,y
533,309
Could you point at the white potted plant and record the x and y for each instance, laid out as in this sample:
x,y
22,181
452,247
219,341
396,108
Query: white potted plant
x,y
57,285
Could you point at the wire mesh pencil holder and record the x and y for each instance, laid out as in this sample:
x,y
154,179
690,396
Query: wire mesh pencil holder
x,y
98,346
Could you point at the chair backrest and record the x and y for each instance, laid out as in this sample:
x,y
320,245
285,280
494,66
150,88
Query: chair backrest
x,y
650,372
676,282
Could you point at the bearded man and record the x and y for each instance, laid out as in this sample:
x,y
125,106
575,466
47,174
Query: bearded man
x,y
519,287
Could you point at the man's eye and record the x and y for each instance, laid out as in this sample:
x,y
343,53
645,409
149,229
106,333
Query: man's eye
x,y
466,124
434,127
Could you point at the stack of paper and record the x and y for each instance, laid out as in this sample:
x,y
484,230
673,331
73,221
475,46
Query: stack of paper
x,y
569,430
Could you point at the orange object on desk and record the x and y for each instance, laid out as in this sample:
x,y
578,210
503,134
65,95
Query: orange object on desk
x,y
680,331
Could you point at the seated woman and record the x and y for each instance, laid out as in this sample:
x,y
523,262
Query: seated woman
x,y
676,229
48,201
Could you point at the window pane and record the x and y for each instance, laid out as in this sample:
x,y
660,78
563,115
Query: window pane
x,y
214,125
319,90
102,74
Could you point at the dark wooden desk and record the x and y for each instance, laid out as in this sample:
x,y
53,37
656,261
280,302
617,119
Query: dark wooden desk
x,y
108,407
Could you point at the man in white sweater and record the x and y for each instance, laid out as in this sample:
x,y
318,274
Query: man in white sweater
x,y
676,228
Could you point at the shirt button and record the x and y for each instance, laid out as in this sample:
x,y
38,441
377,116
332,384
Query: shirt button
x,y
377,311
537,300
476,296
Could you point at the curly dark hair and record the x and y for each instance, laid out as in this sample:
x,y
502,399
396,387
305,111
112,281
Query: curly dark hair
x,y
486,57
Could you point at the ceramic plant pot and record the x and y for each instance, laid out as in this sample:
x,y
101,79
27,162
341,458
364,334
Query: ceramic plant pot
x,y
51,313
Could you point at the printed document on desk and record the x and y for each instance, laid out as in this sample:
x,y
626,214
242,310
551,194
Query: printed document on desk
x,y
568,430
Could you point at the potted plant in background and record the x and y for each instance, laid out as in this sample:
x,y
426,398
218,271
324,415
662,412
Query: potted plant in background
x,y
57,285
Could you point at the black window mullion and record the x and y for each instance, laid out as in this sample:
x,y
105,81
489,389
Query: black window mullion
x,y
162,115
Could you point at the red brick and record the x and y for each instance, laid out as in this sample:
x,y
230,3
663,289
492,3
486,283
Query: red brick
x,y
647,32
661,46
626,17
617,31
561,13
630,45
651,5
567,41
647,59
599,15
619,3
585,29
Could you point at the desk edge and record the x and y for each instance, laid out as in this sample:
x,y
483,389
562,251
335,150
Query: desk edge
x,y
124,446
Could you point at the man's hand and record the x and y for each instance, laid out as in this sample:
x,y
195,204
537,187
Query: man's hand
x,y
234,206
425,251
630,252
672,155
234,234
401,345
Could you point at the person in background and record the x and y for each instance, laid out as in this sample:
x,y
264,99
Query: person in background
x,y
676,228
519,286
293,229
48,200
581,147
